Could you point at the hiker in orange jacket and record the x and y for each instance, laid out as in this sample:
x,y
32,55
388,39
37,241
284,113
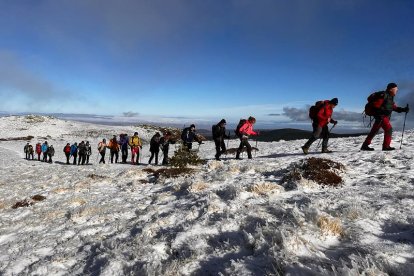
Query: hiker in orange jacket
x,y
114,149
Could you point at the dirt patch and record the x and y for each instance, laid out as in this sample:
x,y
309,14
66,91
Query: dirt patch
x,y
170,172
320,170
38,198
96,176
26,138
23,203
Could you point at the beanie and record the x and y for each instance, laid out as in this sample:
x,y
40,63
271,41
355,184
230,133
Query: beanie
x,y
192,125
391,85
334,101
223,121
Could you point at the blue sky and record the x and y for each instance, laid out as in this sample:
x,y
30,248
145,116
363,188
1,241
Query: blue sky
x,y
203,59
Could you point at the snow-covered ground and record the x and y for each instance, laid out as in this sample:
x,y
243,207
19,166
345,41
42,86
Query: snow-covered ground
x,y
229,218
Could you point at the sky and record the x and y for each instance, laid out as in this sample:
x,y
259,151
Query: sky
x,y
204,60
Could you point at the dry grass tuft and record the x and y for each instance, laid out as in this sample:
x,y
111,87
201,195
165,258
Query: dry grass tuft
x,y
320,170
95,176
38,198
170,172
198,187
264,188
330,226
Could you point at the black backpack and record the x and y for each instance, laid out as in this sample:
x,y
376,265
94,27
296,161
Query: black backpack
x,y
240,124
314,109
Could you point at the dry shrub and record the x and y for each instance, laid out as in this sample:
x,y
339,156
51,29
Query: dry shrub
x,y
23,203
95,176
330,226
169,172
234,150
320,170
183,157
38,198
198,187
264,188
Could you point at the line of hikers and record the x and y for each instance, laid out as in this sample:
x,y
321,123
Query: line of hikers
x,y
47,151
380,106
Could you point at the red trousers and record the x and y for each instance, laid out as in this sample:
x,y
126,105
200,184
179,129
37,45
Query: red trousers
x,y
385,124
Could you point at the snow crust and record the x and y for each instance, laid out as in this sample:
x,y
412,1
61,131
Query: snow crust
x,y
115,219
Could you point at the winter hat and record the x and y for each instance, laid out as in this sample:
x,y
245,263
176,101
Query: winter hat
x,y
192,125
391,85
136,133
334,101
223,121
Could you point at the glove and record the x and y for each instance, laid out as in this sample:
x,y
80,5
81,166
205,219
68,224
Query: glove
x,y
140,147
406,109
334,122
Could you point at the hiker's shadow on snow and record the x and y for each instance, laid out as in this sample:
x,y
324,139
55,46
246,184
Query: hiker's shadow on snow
x,y
278,155
398,232
70,164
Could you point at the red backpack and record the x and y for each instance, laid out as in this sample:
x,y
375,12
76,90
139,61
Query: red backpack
x,y
38,148
374,102
67,149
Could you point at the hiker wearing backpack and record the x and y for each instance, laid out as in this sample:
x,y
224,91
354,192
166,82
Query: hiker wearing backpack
x,y
74,152
380,105
321,115
66,150
136,145
188,135
123,141
38,150
31,152
88,151
26,151
165,142
243,130
102,150
114,149
50,153
82,153
45,147
219,134
155,147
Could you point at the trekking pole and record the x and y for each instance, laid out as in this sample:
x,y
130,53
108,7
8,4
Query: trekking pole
x,y
402,134
256,149
329,132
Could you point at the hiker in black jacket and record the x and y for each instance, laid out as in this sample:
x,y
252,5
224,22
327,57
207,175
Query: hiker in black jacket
x,y
155,147
188,135
82,153
165,142
219,134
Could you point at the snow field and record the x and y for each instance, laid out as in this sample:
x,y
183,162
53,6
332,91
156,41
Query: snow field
x,y
230,217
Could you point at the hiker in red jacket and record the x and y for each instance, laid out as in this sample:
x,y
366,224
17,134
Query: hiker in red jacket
x,y
38,150
320,125
383,106
245,130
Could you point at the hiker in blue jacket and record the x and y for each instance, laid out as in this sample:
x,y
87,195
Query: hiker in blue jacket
x,y
45,147
74,152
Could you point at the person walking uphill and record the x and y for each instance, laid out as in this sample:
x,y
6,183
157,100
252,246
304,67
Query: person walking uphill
x,y
381,105
114,149
165,142
243,133
102,150
321,119
38,150
82,153
66,150
188,135
123,141
135,144
88,151
219,134
74,152
155,147
26,151
45,147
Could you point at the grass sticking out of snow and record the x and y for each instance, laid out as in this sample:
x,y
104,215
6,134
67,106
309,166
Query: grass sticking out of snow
x,y
330,226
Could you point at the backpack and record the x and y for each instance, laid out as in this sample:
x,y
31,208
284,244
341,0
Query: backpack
x,y
314,109
184,134
372,101
67,149
239,125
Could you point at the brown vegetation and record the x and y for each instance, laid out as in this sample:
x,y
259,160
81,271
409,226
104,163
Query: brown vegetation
x,y
169,172
27,138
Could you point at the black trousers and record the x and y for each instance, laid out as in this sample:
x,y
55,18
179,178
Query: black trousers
x,y
318,132
220,147
67,157
165,157
74,158
82,158
124,153
87,158
244,142
154,153
116,154
102,153
44,157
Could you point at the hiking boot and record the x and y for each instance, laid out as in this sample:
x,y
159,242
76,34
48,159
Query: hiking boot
x,y
218,159
325,150
305,150
388,148
366,148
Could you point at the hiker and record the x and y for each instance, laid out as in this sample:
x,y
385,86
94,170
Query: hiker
x,y
50,153
382,107
45,147
88,151
320,122
114,149
243,133
123,141
135,144
31,152
155,147
102,150
82,153
38,150
219,134
188,135
66,150
26,151
165,142
74,152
